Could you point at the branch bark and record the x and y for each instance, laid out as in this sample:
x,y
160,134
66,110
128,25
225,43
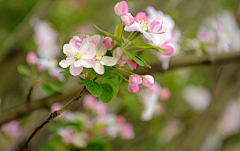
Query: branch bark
x,y
25,109
52,116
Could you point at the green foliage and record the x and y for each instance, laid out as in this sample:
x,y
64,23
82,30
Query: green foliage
x,y
64,72
23,70
85,33
139,60
114,80
118,30
55,86
106,74
141,44
94,88
47,89
110,35
107,93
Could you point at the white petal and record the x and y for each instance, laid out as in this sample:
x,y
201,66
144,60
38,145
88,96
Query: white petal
x,y
108,61
134,27
65,63
99,68
78,63
75,71
69,50
102,47
117,52
148,36
88,50
88,63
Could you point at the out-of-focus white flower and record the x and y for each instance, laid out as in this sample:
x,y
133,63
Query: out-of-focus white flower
x,y
171,35
197,97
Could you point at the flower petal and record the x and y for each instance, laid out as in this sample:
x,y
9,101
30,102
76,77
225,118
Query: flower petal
x,y
102,48
99,68
88,49
68,50
75,71
88,63
134,27
108,61
117,52
65,63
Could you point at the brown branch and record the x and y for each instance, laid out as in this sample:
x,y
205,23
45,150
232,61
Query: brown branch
x,y
52,116
190,61
29,94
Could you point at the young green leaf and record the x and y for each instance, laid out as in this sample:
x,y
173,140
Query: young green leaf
x,y
108,34
85,33
145,63
54,86
141,44
118,30
107,72
23,70
94,88
81,82
107,93
47,89
131,55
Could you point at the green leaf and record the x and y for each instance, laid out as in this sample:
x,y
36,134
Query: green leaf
x,y
114,80
107,72
47,89
131,55
141,44
145,64
81,82
109,53
107,93
54,86
24,70
110,35
85,33
64,72
94,88
118,30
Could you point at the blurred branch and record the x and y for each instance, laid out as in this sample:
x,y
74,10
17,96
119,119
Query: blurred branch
x,y
52,116
25,109
190,61
39,10
227,86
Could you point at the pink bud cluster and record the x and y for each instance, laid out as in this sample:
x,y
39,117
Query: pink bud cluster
x,y
121,9
134,81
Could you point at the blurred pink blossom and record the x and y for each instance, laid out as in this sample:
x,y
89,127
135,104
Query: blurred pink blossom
x,y
12,129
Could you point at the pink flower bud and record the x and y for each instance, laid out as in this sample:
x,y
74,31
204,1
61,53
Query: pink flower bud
x,y
168,46
165,94
108,43
132,64
56,106
121,7
127,19
141,17
31,58
147,81
155,27
135,79
133,88
127,132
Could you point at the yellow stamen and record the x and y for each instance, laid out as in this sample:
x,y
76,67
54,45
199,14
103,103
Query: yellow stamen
x,y
77,55
144,24
99,54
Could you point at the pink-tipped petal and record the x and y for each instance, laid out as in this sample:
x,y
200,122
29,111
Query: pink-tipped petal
x,y
108,43
108,61
88,50
31,58
135,79
147,81
141,17
155,27
133,88
88,63
67,62
118,52
121,7
75,71
132,64
101,48
168,46
99,68
127,19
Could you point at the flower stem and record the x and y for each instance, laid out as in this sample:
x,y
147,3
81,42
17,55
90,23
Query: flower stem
x,y
138,50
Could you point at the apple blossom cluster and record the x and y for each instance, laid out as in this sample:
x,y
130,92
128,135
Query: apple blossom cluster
x,y
113,57
149,98
219,34
83,128
47,49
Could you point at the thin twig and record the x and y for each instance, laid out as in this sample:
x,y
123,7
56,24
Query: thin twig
x,y
52,116
29,94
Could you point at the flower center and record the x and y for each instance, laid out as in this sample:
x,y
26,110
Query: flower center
x,y
143,24
77,55
99,55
